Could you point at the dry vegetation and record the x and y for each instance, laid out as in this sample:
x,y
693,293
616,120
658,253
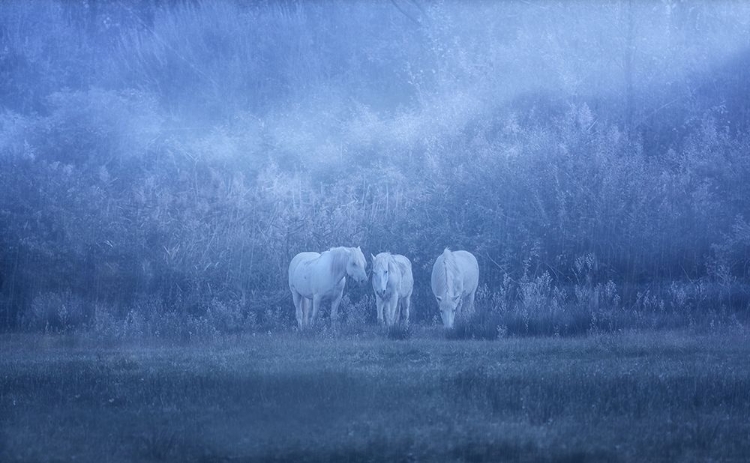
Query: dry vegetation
x,y
161,163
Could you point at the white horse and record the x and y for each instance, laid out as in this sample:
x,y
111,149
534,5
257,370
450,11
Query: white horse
x,y
315,277
393,284
455,277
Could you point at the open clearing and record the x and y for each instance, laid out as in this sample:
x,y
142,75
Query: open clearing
x,y
632,397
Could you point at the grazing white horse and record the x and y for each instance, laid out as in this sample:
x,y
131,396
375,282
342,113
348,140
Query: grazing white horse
x,y
393,284
315,277
455,277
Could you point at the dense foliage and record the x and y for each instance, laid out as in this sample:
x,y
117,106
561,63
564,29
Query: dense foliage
x,y
169,158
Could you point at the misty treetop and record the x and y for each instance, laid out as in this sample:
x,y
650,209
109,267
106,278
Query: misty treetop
x,y
162,162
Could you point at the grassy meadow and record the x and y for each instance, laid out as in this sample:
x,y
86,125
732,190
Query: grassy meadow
x,y
650,396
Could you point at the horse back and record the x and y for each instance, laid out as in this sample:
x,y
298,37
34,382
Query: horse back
x,y
469,269
298,260
407,279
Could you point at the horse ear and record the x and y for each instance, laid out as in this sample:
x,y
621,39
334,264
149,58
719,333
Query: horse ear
x,y
373,256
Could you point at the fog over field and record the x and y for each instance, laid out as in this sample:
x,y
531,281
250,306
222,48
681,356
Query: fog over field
x,y
162,163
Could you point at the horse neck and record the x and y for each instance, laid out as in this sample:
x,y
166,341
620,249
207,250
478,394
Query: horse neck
x,y
449,273
393,268
339,259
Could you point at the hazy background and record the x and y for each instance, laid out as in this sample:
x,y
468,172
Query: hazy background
x,y
161,162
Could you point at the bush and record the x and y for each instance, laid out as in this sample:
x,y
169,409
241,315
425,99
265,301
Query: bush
x,y
57,312
355,317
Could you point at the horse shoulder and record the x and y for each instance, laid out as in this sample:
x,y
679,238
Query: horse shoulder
x,y
324,273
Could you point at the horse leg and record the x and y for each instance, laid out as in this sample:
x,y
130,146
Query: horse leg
x,y
379,306
339,292
392,309
335,307
306,310
298,305
466,306
405,311
316,300
470,303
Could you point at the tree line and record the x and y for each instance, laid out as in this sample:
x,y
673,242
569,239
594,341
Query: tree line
x,y
172,158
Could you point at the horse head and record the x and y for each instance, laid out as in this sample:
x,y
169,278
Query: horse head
x,y
356,265
448,304
381,265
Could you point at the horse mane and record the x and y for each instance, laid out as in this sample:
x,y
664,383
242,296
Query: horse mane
x,y
450,267
391,262
384,256
339,259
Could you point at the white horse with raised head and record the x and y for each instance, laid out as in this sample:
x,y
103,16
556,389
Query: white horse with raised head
x,y
393,284
455,278
315,277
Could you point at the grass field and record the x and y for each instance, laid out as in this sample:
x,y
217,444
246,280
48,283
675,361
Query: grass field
x,y
660,396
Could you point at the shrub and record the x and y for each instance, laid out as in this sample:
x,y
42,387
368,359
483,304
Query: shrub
x,y
356,315
57,312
